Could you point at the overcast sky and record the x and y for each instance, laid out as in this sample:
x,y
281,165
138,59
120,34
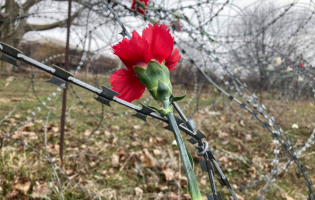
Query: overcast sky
x,y
101,36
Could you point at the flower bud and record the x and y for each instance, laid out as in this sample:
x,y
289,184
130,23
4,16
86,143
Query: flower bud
x,y
156,78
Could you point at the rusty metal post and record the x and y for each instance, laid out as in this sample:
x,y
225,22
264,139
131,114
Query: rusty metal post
x,y
64,98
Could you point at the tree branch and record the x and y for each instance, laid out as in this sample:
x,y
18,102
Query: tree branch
x,y
43,27
30,3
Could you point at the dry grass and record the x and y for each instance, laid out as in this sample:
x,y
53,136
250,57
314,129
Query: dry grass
x,y
129,159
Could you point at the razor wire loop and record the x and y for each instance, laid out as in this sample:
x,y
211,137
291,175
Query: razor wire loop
x,y
264,124
205,164
202,149
244,106
197,137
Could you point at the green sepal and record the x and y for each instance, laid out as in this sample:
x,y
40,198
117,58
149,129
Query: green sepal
x,y
163,92
150,76
144,77
156,78
158,72
163,111
178,98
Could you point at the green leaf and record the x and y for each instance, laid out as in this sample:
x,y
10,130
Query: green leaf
x,y
191,160
178,98
189,189
186,18
193,167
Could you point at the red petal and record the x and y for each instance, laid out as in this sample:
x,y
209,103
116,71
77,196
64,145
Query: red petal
x,y
141,11
133,4
127,85
160,40
132,52
172,61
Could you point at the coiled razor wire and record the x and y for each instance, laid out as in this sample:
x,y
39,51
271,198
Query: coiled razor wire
x,y
285,143
234,81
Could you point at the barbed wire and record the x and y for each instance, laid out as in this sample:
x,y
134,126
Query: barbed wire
x,y
236,84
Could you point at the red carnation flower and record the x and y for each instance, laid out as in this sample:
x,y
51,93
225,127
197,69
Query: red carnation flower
x,y
140,8
155,44
301,64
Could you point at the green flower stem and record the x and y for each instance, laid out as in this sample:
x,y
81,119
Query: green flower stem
x,y
192,183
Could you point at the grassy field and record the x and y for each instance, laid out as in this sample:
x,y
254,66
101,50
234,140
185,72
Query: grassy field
x,y
125,158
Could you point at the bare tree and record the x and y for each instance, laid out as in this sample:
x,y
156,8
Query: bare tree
x,y
268,30
13,25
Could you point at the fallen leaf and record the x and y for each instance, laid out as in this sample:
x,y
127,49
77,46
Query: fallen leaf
x,y
116,128
24,184
174,196
53,149
10,79
137,127
41,191
225,142
115,160
242,123
223,159
27,126
147,159
159,140
163,187
240,197
287,197
87,132
156,152
12,195
168,173
138,191
222,134
69,172
55,129
121,152
115,140
248,137
203,180
92,164
107,133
